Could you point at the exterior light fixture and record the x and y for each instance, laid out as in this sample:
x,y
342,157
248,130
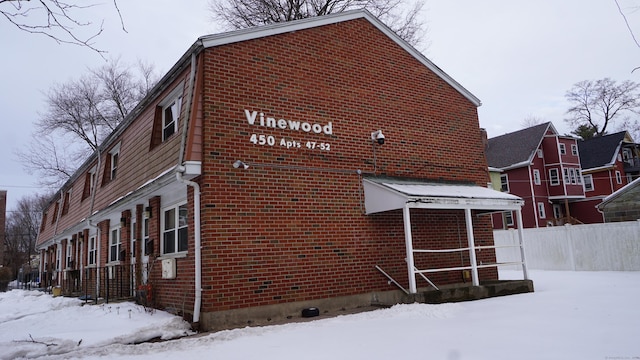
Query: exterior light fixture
x,y
239,164
123,222
147,212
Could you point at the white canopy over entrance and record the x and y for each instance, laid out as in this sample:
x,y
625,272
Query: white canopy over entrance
x,y
385,194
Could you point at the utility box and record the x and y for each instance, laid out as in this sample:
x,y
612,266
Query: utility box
x,y
169,268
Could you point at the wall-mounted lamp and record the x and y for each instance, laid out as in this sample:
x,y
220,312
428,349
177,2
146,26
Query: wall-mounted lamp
x,y
81,236
147,212
378,137
123,221
239,163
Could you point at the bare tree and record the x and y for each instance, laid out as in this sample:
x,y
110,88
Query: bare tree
x,y
22,230
58,20
80,114
597,104
531,121
399,15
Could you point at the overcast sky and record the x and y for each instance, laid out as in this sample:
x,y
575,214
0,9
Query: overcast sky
x,y
518,57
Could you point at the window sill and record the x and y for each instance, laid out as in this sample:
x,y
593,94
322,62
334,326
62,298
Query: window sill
x,y
113,263
179,255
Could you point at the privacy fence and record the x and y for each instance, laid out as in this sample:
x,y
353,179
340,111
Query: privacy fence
x,y
592,247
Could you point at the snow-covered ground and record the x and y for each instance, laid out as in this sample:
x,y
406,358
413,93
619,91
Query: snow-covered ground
x,y
571,315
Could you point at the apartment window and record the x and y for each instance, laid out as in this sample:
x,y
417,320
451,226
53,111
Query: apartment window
x,y
170,114
567,179
133,240
115,245
115,155
563,149
572,175
536,177
588,182
58,256
574,149
554,178
43,222
508,218
89,183
579,176
65,204
504,183
618,177
540,154
93,251
174,230
69,257
55,212
541,212
147,246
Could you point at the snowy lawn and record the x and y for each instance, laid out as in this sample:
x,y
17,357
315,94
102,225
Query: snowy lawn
x,y
572,315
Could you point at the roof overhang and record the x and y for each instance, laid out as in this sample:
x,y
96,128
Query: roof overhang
x,y
385,194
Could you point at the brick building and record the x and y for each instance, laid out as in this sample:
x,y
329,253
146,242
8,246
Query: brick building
x,y
278,168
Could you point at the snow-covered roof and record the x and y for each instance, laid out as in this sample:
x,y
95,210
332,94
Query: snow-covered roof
x,y
391,194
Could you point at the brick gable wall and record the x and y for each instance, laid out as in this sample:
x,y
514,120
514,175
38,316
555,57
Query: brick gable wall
x,y
292,227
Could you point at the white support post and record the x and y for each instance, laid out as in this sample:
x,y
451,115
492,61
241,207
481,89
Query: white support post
x,y
408,240
472,248
525,273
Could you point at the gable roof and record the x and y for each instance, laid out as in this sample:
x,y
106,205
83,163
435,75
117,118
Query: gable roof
x,y
517,148
316,21
600,151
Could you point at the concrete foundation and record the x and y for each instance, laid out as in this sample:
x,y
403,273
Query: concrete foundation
x,y
289,312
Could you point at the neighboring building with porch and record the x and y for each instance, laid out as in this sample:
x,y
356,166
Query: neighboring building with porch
x,y
543,168
304,164
609,163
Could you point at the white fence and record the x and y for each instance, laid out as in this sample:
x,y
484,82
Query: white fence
x,y
593,247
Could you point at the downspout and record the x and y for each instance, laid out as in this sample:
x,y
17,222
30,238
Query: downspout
x,y
533,198
180,169
94,189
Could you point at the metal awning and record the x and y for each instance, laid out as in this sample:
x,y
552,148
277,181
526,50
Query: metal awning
x,y
384,194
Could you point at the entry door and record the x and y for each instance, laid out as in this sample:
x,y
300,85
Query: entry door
x,y
557,211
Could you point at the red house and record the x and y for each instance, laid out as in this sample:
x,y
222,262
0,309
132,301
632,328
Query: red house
x,y
272,169
543,168
609,163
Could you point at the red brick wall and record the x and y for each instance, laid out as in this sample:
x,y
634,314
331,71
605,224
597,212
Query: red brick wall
x,y
283,230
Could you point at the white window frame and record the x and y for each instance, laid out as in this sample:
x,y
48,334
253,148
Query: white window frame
x,y
58,256
541,212
572,175
588,182
171,105
179,229
552,177
540,153
507,217
92,251
93,179
68,255
563,149
134,241
565,177
618,177
574,149
145,237
504,182
536,177
579,176
115,243
115,156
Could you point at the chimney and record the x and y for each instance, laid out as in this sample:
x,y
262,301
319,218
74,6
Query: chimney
x,y
483,136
